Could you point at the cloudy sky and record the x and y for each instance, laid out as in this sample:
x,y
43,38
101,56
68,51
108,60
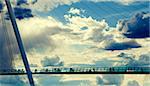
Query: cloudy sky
x,y
81,33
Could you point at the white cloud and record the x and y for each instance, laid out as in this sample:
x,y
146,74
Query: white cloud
x,y
70,42
47,5
51,61
96,33
47,36
133,83
122,80
124,2
50,32
37,34
37,25
127,2
94,30
88,22
76,11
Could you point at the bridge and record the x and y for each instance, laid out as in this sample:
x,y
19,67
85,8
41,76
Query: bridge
x,y
79,70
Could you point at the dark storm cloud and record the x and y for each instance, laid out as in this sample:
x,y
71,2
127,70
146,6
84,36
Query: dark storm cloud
x,y
8,45
1,6
136,27
21,13
122,45
19,2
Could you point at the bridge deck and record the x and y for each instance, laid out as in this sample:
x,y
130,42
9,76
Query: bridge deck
x,y
80,70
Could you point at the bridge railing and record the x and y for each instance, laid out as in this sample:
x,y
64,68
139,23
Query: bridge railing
x,y
78,70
